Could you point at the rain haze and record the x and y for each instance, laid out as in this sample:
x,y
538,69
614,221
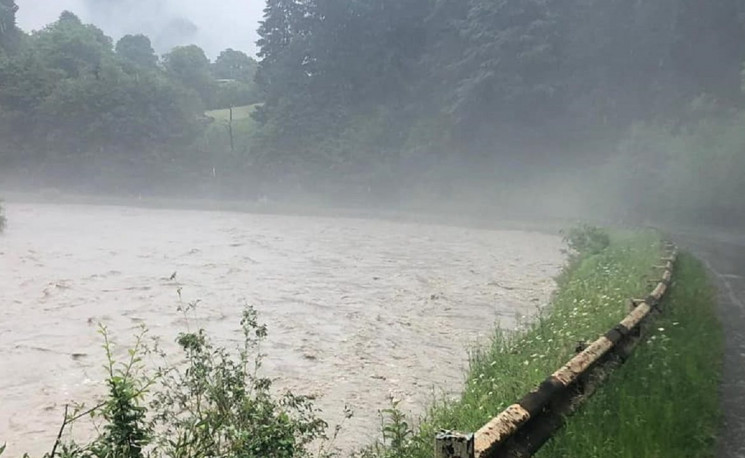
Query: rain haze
x,y
331,228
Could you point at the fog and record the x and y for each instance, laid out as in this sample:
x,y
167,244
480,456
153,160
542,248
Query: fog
x,y
212,25
385,184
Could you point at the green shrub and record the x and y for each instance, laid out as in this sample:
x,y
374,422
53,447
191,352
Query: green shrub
x,y
214,404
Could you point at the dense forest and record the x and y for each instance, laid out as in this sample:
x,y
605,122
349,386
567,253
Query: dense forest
x,y
77,109
387,101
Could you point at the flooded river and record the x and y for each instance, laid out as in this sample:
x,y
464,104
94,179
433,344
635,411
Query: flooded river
x,y
358,310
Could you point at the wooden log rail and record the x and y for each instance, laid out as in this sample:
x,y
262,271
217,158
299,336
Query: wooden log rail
x,y
522,428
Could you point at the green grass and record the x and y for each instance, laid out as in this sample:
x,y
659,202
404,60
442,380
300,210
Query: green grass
x,y
664,401
216,139
239,113
591,298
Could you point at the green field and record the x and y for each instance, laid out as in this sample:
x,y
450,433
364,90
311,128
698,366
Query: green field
x,y
242,112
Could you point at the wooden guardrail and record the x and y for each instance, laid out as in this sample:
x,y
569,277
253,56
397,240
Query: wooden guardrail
x,y
522,428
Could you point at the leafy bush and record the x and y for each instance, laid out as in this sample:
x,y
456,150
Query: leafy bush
x,y
220,406
213,405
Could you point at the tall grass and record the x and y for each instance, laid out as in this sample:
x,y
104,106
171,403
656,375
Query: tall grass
x,y
664,401
591,298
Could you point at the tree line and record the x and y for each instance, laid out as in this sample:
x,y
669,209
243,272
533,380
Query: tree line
x,y
384,99
74,102
390,93
478,73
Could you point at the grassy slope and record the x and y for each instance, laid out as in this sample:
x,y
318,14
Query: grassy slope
x,y
215,138
591,298
664,401
239,113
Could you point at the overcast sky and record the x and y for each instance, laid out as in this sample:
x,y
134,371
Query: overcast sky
x,y
213,25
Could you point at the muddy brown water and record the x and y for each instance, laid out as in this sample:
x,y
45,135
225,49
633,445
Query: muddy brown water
x,y
358,310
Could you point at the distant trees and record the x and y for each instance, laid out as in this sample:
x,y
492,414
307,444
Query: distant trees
x,y
235,72
69,98
190,66
377,94
74,48
137,50
520,72
235,65
9,33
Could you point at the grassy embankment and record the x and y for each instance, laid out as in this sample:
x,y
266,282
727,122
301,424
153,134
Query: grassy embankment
x,y
638,405
664,401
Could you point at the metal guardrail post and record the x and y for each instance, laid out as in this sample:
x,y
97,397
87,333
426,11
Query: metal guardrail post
x,y
450,444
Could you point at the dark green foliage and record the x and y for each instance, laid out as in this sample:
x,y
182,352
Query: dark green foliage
x,y
235,65
190,66
407,86
71,106
125,431
72,47
220,406
383,99
235,73
10,36
137,50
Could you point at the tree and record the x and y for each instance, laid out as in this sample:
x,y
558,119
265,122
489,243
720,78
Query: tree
x,y
9,33
285,60
137,50
71,46
507,75
190,66
235,65
116,113
26,83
